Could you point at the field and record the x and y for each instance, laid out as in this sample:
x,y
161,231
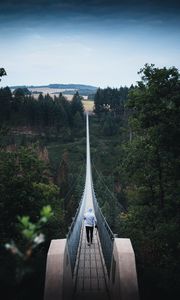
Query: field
x,y
36,91
88,105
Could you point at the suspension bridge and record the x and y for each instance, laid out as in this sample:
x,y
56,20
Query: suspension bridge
x,y
104,270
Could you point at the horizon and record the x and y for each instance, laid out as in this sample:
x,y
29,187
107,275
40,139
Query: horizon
x,y
47,85
71,83
100,43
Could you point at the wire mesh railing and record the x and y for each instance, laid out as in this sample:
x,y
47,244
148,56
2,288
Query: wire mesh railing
x,y
74,233
105,234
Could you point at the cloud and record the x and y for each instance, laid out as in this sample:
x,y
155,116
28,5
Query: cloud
x,y
88,7
92,41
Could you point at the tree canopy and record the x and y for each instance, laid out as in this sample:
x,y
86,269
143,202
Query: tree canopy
x,y
2,72
144,165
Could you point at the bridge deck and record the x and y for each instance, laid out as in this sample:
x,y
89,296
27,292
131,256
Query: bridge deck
x,y
90,271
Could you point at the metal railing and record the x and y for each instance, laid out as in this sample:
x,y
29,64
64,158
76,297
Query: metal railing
x,y
74,233
105,234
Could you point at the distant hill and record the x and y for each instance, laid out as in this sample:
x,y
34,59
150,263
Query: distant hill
x,y
73,86
84,90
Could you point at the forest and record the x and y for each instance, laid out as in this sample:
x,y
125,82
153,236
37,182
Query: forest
x,y
135,152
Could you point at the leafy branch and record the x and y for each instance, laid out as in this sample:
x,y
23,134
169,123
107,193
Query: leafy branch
x,y
31,233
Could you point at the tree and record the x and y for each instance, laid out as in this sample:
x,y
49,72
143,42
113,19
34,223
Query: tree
x,y
97,102
21,92
76,105
2,72
24,186
148,166
155,105
77,120
109,126
5,104
110,100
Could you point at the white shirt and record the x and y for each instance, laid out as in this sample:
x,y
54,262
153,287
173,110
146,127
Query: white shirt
x,y
89,219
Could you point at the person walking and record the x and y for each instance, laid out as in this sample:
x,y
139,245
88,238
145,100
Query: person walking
x,y
89,222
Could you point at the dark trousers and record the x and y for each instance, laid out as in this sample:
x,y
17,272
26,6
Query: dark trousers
x,y
89,233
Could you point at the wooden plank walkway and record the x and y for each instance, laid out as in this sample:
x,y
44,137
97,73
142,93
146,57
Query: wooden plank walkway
x,y
90,276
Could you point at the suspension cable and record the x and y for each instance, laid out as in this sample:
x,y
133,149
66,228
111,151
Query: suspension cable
x,y
112,195
74,183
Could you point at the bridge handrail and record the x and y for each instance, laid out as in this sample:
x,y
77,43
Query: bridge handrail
x,y
105,233
73,236
104,219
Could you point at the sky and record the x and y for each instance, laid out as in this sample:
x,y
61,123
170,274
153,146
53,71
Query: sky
x,y
97,42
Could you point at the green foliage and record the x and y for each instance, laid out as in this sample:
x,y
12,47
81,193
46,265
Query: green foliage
x,y
145,162
5,105
77,120
155,119
2,72
25,187
135,149
45,114
109,125
77,110
28,183
149,168
110,100
26,253
47,191
31,233
105,156
21,92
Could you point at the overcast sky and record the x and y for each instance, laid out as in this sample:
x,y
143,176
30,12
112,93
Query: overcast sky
x,y
97,42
